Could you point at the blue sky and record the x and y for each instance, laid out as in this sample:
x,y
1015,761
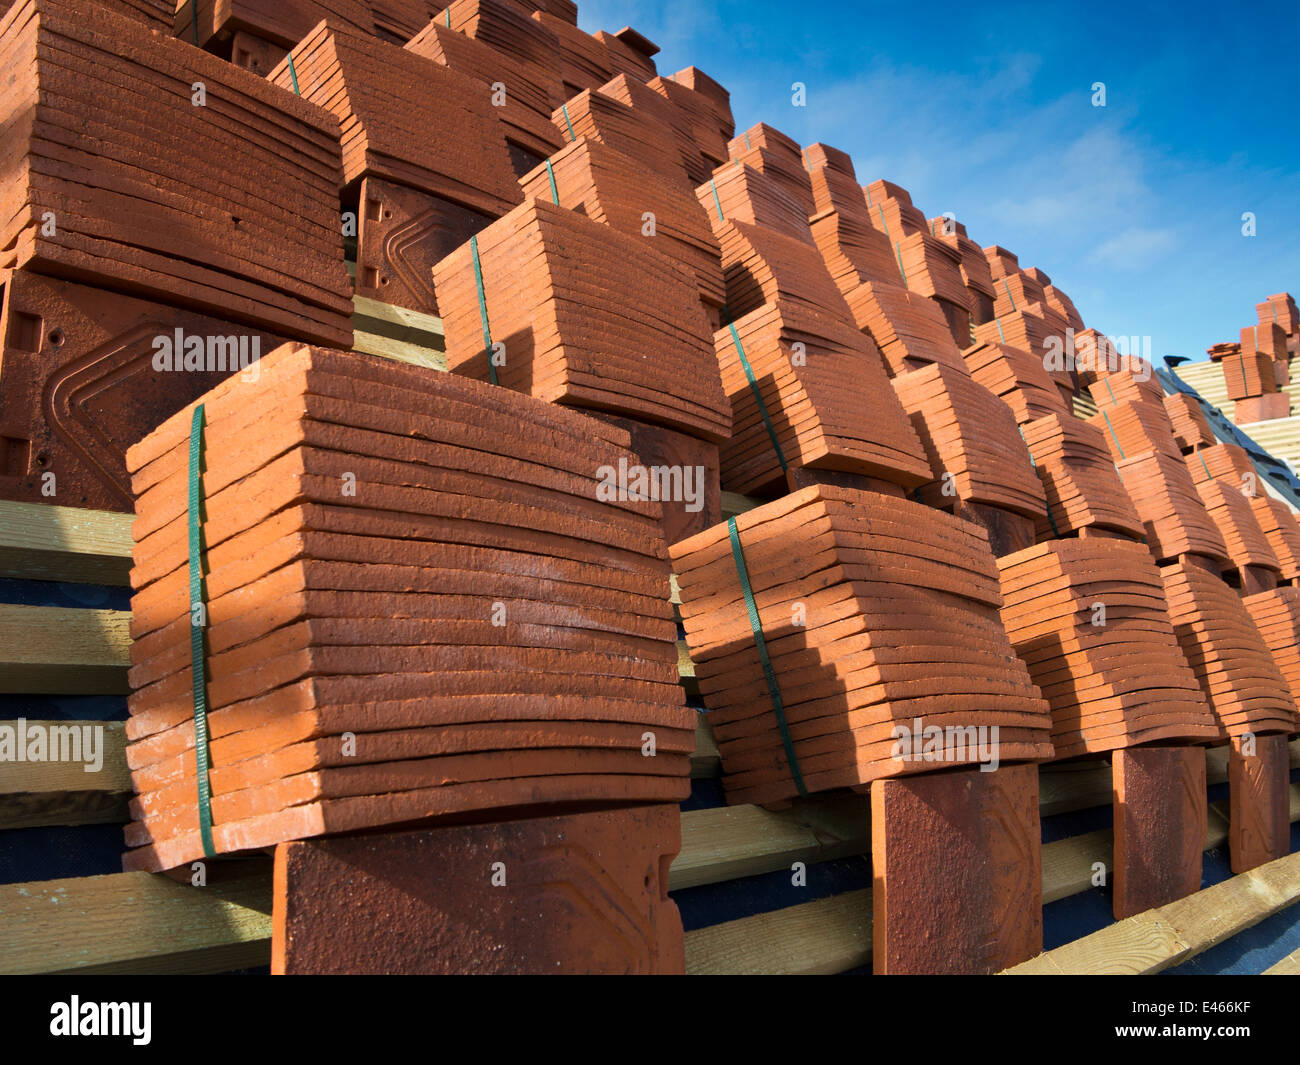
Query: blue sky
x,y
1135,209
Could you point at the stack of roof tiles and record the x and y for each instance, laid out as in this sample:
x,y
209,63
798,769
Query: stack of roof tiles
x,y
526,103
714,100
1238,675
1032,333
738,193
582,60
1276,614
1232,512
630,53
406,118
1134,428
1282,530
1122,386
1095,354
891,210
971,440
975,272
1172,513
763,265
776,156
852,248
1247,374
1081,484
171,221
933,268
910,330
708,113
1090,620
1017,378
1280,309
373,612
815,396
629,130
1226,461
576,312
1001,262
901,623
643,99
1190,426
1063,305
612,188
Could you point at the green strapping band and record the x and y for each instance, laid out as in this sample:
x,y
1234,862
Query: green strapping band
x,y
758,395
1118,446
747,147
194,9
774,689
198,653
1204,465
881,212
1007,289
293,74
448,14
1110,390
717,202
1241,361
568,122
555,192
899,255
482,309
1051,520
1001,335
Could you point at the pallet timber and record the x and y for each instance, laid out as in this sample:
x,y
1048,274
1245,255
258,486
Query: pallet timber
x,y
1159,939
63,650
1288,966
42,542
53,793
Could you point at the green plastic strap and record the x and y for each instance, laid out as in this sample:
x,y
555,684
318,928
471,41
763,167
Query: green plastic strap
x,y
198,623
1001,335
899,255
293,74
1051,520
568,122
1241,361
1110,390
778,707
194,10
1007,289
482,309
448,14
716,202
881,212
1204,465
867,192
747,148
1118,446
758,395
555,192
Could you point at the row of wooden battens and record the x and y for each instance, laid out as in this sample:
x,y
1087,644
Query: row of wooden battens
x,y
136,922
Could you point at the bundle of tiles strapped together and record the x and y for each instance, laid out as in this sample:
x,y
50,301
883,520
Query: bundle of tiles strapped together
x,y
386,616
